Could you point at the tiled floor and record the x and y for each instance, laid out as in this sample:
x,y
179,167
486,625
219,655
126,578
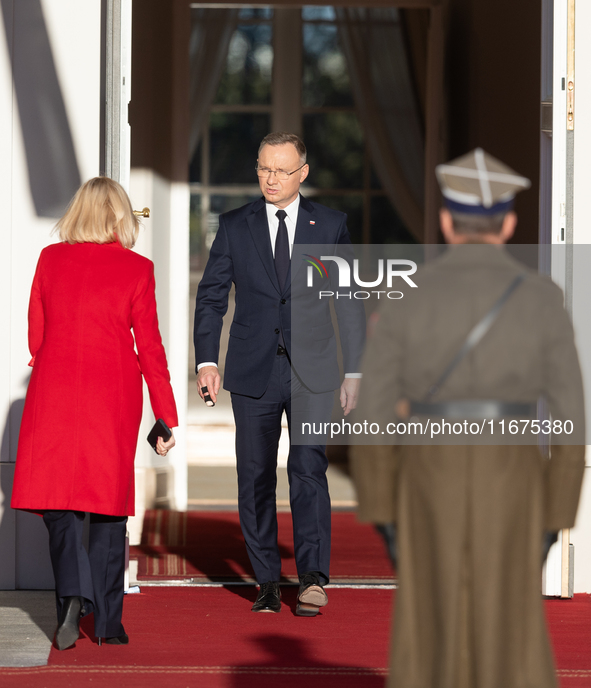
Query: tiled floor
x,y
27,623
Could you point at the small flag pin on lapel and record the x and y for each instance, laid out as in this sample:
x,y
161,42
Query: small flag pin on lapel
x,y
312,222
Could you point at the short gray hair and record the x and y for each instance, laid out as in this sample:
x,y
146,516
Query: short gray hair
x,y
473,223
278,138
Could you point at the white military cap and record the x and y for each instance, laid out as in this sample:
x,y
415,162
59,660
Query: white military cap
x,y
478,183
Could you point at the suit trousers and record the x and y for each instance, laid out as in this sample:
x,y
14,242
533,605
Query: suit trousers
x,y
96,575
258,428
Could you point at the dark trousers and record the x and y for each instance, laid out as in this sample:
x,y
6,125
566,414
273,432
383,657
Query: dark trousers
x,y
96,575
258,428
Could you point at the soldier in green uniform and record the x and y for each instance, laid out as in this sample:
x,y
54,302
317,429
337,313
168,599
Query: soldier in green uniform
x,y
470,519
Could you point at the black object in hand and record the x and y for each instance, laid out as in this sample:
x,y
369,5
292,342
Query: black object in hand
x,y
160,429
206,398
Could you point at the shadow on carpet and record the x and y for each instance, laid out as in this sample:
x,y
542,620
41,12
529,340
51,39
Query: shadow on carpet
x,y
209,546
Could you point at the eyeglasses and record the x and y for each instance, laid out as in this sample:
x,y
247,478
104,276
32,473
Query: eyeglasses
x,y
281,175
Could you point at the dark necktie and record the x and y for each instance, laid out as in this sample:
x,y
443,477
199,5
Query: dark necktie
x,y
282,250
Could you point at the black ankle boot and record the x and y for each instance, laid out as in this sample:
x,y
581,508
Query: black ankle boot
x,y
68,628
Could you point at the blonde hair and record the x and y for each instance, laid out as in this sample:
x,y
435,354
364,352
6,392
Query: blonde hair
x,y
99,213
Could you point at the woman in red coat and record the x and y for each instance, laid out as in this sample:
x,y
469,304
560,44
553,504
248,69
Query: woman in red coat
x,y
92,300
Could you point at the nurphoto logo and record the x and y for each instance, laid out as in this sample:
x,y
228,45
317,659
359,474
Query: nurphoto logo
x,y
392,267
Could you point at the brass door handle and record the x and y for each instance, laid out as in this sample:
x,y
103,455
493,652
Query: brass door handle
x,y
142,213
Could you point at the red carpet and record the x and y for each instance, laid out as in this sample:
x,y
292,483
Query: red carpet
x,y
208,638
570,629
209,545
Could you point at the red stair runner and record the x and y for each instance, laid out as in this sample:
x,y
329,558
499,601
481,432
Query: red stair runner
x,y
208,545
202,637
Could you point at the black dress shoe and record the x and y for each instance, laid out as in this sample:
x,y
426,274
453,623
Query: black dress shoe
x,y
311,595
268,599
68,629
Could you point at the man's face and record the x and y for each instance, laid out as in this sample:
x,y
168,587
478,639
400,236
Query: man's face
x,y
284,157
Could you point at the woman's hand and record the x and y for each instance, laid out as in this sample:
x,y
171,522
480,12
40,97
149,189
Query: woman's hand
x,y
163,447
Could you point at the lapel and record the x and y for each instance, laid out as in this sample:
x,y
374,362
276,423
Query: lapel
x,y
259,229
305,233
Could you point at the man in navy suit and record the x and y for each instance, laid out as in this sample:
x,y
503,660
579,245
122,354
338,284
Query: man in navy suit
x,y
253,249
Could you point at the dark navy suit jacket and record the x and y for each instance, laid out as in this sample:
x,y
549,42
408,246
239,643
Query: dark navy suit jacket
x,y
241,253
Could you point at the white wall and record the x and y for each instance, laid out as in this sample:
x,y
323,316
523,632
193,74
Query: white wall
x,y
73,28
165,239
74,32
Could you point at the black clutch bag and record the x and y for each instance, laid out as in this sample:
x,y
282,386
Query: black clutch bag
x,y
160,429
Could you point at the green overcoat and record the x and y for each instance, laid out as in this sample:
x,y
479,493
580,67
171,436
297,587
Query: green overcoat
x,y
470,519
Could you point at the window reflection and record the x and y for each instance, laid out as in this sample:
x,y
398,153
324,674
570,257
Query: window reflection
x,y
256,13
234,141
318,13
325,80
341,174
249,66
195,232
386,225
335,150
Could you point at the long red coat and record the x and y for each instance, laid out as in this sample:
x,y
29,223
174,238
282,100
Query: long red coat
x,y
83,408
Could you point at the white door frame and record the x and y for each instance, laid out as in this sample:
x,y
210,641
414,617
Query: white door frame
x,y
116,82
556,209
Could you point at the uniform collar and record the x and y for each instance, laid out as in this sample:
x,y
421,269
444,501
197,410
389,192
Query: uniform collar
x,y
477,255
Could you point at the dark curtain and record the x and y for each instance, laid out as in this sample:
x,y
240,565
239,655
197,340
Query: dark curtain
x,y
376,46
211,31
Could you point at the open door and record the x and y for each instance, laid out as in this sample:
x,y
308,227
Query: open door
x,y
116,86
556,207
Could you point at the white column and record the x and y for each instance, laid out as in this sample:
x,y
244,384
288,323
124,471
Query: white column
x,y
165,240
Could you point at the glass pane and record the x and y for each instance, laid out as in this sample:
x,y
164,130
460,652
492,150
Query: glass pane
x,y
318,13
335,150
247,77
234,143
195,233
375,182
386,225
325,76
352,205
222,204
195,164
256,13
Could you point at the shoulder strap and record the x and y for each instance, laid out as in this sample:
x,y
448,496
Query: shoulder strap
x,y
475,335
